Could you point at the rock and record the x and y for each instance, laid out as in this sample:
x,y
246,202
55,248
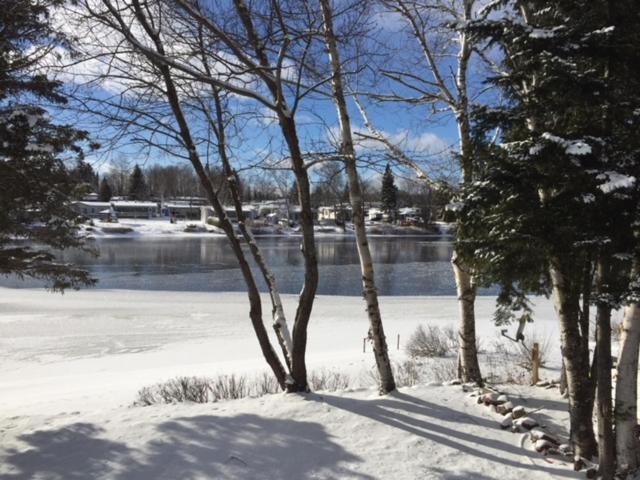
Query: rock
x,y
506,422
502,399
542,446
542,383
519,412
539,434
526,423
455,381
565,449
505,408
490,399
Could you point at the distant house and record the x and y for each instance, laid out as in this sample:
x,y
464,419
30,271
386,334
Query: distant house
x,y
336,213
90,197
375,214
90,209
135,209
180,210
409,215
207,212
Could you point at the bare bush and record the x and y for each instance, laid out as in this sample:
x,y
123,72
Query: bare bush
x,y
443,370
231,387
511,362
431,341
266,384
408,373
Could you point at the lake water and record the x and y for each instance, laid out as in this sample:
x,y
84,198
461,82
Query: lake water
x,y
403,265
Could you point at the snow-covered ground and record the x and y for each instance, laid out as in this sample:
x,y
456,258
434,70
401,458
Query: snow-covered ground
x,y
71,366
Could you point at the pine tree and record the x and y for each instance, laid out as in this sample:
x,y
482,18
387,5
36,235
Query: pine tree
x,y
556,200
84,177
34,182
137,184
389,193
105,192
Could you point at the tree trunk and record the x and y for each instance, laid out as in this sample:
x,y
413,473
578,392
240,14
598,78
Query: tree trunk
x,y
579,381
468,366
286,121
370,292
279,319
606,455
626,413
307,295
255,313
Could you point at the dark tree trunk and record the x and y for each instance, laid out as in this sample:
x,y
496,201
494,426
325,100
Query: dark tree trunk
x,y
255,312
606,452
580,384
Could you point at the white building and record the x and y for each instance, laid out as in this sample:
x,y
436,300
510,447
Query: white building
x,y
90,209
249,211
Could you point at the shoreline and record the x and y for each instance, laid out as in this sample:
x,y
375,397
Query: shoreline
x,y
161,228
96,348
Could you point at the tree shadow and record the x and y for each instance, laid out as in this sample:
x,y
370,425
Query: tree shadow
x,y
415,416
73,452
204,447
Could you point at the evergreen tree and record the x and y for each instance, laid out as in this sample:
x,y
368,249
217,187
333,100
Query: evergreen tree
x,y
137,184
84,177
34,182
389,193
105,192
557,199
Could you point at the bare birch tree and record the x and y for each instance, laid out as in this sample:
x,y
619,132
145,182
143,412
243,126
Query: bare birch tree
x,y
348,155
250,72
444,91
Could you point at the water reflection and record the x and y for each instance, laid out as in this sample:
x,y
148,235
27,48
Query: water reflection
x,y
404,265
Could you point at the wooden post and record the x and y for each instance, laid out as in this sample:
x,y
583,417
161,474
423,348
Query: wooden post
x,y
398,343
364,344
535,364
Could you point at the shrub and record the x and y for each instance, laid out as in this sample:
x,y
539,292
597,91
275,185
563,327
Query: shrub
x,y
328,380
431,341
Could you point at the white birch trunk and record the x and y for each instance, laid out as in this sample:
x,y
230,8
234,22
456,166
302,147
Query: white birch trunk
x,y
626,412
370,293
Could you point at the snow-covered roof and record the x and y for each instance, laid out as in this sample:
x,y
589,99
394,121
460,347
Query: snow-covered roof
x,y
90,203
180,205
134,203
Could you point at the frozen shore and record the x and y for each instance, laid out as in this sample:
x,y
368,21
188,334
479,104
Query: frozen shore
x,y
98,347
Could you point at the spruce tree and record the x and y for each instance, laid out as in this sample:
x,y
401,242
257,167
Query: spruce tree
x,y
556,200
137,184
105,192
389,193
34,182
